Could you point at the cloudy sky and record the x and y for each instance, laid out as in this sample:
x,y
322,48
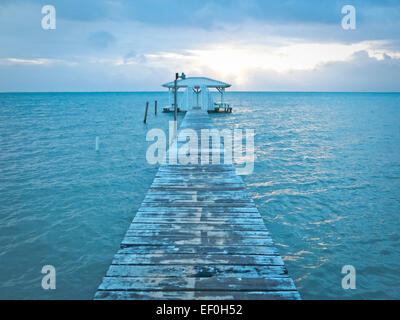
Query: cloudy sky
x,y
121,45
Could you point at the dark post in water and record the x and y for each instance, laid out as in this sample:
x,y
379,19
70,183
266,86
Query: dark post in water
x,y
145,115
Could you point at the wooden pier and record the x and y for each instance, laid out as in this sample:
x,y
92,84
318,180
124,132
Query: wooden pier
x,y
197,235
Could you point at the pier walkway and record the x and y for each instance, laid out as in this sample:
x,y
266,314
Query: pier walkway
x,y
197,235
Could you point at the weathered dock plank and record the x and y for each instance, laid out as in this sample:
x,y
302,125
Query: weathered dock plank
x,y
197,295
227,220
202,249
197,259
129,241
195,271
196,226
197,235
197,283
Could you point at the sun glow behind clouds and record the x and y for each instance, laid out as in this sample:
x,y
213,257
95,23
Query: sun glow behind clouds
x,y
230,60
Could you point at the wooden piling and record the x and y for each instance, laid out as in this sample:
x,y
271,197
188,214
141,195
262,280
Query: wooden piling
x,y
145,115
155,107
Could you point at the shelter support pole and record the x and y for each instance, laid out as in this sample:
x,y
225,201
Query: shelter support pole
x,y
175,95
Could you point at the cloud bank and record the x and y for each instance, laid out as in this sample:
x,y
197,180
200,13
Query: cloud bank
x,y
255,45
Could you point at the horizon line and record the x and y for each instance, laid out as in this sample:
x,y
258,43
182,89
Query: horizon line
x,y
236,91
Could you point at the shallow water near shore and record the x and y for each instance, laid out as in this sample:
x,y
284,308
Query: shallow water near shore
x,y
326,181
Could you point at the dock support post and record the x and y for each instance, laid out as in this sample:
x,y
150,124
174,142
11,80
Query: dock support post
x,y
145,115
222,97
155,107
175,95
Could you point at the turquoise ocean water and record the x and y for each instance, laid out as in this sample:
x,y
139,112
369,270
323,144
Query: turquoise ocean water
x,y
326,181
